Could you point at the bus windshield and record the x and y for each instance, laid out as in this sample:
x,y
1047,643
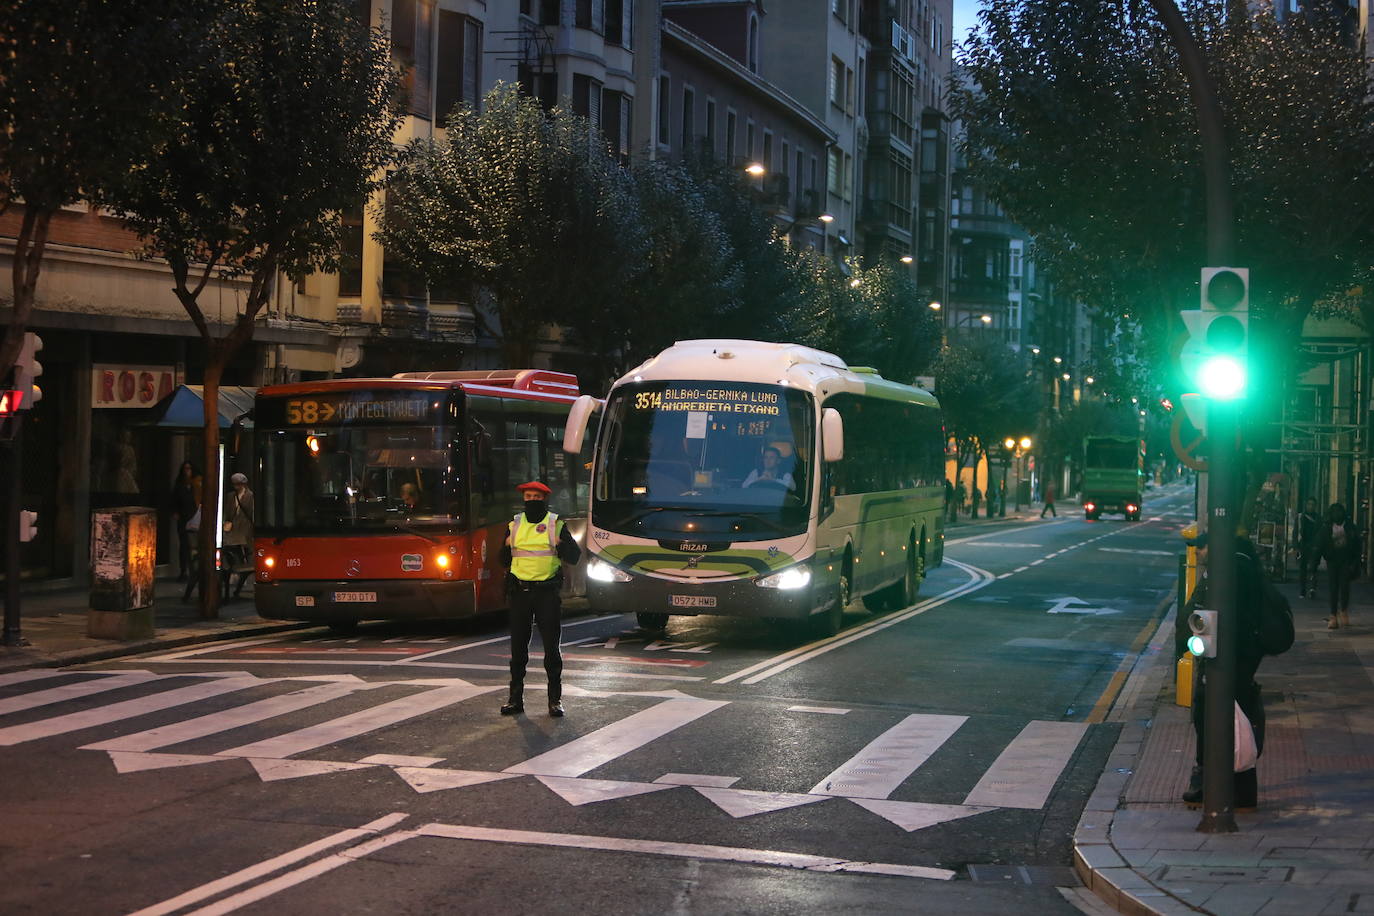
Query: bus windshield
x,y
371,476
722,460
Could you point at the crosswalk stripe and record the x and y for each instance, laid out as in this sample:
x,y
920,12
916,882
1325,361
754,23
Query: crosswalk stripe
x,y
1025,772
880,767
358,723
73,691
30,674
129,709
228,719
584,754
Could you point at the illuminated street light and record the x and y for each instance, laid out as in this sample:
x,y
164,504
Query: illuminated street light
x,y
935,306
754,168
826,218
906,259
1066,376
1058,360
854,283
986,319
1090,380
1025,441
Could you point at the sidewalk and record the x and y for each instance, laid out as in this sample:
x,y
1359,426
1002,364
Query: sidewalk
x,y
53,624
1309,848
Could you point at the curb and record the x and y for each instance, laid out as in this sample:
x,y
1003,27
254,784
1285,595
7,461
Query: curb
x,y
105,653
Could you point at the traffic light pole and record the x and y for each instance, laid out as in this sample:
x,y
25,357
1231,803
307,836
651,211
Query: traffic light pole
x,y
13,496
1218,738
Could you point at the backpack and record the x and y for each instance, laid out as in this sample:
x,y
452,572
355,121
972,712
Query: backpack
x,y
1275,628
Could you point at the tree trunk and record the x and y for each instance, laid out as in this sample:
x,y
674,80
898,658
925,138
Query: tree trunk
x,y
28,259
210,524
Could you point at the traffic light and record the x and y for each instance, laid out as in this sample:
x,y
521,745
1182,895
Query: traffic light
x,y
28,525
26,369
1203,642
1224,326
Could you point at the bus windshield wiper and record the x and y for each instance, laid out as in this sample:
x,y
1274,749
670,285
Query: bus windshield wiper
x,y
736,513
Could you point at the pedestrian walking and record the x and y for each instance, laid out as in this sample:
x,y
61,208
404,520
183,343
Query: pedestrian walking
x,y
1339,544
949,500
1249,578
238,534
1305,531
537,544
185,504
1049,500
977,498
960,497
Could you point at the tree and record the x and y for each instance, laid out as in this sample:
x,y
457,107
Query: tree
x,y
1079,123
286,117
81,102
907,332
524,204
986,396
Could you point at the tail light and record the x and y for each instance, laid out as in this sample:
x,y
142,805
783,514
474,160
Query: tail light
x,y
1130,507
1090,506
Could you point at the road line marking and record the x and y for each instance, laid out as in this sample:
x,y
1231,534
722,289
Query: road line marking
x,y
213,647
1024,774
979,578
1037,562
447,666
1020,569
38,674
487,642
253,872
358,723
1143,553
74,691
1006,574
582,755
828,710
1123,670
885,762
227,719
128,709
697,779
685,850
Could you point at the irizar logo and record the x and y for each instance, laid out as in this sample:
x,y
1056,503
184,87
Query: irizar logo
x,y
691,547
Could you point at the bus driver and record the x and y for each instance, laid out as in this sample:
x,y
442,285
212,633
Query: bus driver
x,y
769,473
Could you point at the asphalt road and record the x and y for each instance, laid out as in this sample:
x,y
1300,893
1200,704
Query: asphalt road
x,y
933,759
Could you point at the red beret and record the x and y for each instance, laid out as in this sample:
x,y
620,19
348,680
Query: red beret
x,y
534,485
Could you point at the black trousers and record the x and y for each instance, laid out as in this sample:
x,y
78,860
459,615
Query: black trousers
x,y
1308,562
541,607
1340,585
184,548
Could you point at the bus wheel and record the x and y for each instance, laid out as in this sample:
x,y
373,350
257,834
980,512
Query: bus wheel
x,y
829,621
343,627
649,621
917,575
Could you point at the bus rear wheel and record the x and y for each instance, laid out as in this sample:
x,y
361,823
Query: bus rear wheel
x,y
649,621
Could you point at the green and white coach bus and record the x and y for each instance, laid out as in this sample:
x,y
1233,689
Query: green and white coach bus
x,y
751,479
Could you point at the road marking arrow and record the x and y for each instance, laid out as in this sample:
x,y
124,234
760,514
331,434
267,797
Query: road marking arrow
x,y
1066,606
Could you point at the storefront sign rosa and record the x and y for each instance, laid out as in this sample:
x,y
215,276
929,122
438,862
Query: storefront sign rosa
x,y
131,386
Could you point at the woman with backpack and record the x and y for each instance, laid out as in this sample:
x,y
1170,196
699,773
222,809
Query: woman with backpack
x,y
1339,544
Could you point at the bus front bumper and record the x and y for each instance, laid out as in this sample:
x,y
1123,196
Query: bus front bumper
x,y
366,599
734,598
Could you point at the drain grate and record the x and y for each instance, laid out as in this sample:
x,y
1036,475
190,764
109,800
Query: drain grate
x,y
1051,875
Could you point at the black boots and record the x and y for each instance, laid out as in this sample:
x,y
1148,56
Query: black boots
x,y
556,700
516,702
1246,788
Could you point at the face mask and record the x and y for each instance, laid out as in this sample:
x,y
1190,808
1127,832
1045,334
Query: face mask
x,y
535,509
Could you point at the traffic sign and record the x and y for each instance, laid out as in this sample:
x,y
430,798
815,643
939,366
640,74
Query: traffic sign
x,y
1189,445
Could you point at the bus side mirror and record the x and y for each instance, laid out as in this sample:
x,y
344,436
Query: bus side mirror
x,y
832,435
575,430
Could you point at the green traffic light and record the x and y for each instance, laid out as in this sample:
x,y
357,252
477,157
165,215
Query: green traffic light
x,y
1222,377
1197,645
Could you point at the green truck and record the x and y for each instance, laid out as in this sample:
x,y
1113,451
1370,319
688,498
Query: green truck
x,y
1113,476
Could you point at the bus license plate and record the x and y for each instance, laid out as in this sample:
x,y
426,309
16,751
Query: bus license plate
x,y
355,597
692,600
305,601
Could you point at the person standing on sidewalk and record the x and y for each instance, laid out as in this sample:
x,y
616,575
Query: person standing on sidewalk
x,y
1339,544
1249,653
1049,500
238,534
185,504
1305,533
537,543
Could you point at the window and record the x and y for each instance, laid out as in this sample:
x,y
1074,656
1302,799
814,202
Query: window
x,y
834,165
458,73
836,87
663,86
848,90
786,155
618,21
615,123
590,14
351,256
749,139
768,150
753,44
730,123
689,108
412,26
888,445
711,125
586,97
848,177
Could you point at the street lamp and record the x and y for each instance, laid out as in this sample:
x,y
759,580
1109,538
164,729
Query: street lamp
x,y
1016,450
935,306
755,168
906,259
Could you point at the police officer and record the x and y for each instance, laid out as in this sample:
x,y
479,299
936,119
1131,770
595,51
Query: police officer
x,y
536,541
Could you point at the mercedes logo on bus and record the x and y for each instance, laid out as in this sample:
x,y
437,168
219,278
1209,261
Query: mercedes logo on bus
x,y
353,568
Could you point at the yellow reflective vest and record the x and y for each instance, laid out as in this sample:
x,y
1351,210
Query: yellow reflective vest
x,y
534,547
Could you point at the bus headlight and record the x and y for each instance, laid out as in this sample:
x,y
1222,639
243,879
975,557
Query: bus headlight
x,y
798,576
602,571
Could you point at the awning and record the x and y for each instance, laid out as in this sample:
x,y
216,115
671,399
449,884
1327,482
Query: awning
x,y
184,408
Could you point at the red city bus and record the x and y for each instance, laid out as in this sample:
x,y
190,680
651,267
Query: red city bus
x,y
389,498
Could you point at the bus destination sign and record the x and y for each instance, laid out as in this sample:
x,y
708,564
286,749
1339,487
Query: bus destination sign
x,y
355,407
710,400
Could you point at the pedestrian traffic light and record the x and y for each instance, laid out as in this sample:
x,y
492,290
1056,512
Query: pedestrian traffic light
x,y
28,525
26,369
1203,642
1224,326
